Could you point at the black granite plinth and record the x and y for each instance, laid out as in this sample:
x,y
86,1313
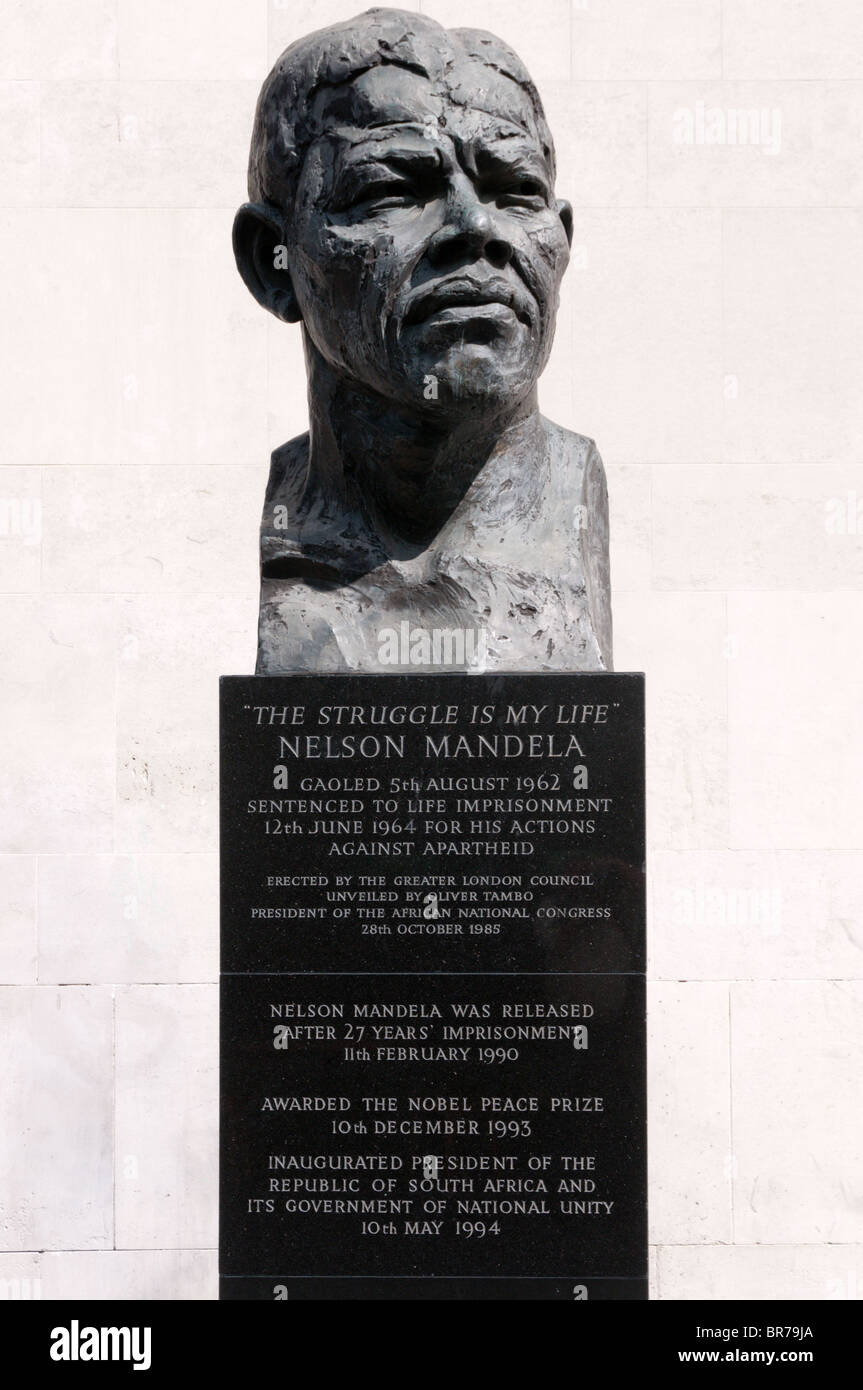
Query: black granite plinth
x,y
433,1059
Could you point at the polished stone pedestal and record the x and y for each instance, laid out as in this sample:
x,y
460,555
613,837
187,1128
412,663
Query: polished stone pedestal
x,y
432,1053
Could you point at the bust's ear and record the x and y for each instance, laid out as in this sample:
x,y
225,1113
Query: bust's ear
x,y
564,212
261,260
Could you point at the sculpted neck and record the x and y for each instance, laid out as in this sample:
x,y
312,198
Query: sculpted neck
x,y
409,472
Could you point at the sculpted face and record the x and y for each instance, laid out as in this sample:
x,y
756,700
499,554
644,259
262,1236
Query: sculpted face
x,y
425,240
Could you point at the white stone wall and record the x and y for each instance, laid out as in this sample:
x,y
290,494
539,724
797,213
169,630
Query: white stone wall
x,y
710,340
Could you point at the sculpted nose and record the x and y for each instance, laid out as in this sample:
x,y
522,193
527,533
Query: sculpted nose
x,y
469,229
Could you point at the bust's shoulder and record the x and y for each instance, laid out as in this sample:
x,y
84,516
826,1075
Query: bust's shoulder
x,y
572,446
288,465
576,466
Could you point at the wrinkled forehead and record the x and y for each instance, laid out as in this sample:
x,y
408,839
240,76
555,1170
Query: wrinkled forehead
x,y
473,104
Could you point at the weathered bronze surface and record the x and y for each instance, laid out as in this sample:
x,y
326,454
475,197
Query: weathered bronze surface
x,y
402,209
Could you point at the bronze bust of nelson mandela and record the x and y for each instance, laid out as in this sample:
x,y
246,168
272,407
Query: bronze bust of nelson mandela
x,y
402,210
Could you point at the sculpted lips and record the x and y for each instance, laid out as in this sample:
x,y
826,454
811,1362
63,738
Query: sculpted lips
x,y
467,292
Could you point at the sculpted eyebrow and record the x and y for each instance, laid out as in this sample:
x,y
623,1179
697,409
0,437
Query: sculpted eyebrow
x,y
355,174
395,158
512,161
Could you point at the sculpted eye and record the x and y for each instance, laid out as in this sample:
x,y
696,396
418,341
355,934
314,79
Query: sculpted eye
x,y
387,195
528,193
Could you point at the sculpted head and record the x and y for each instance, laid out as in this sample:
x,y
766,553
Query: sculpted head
x,y
402,207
